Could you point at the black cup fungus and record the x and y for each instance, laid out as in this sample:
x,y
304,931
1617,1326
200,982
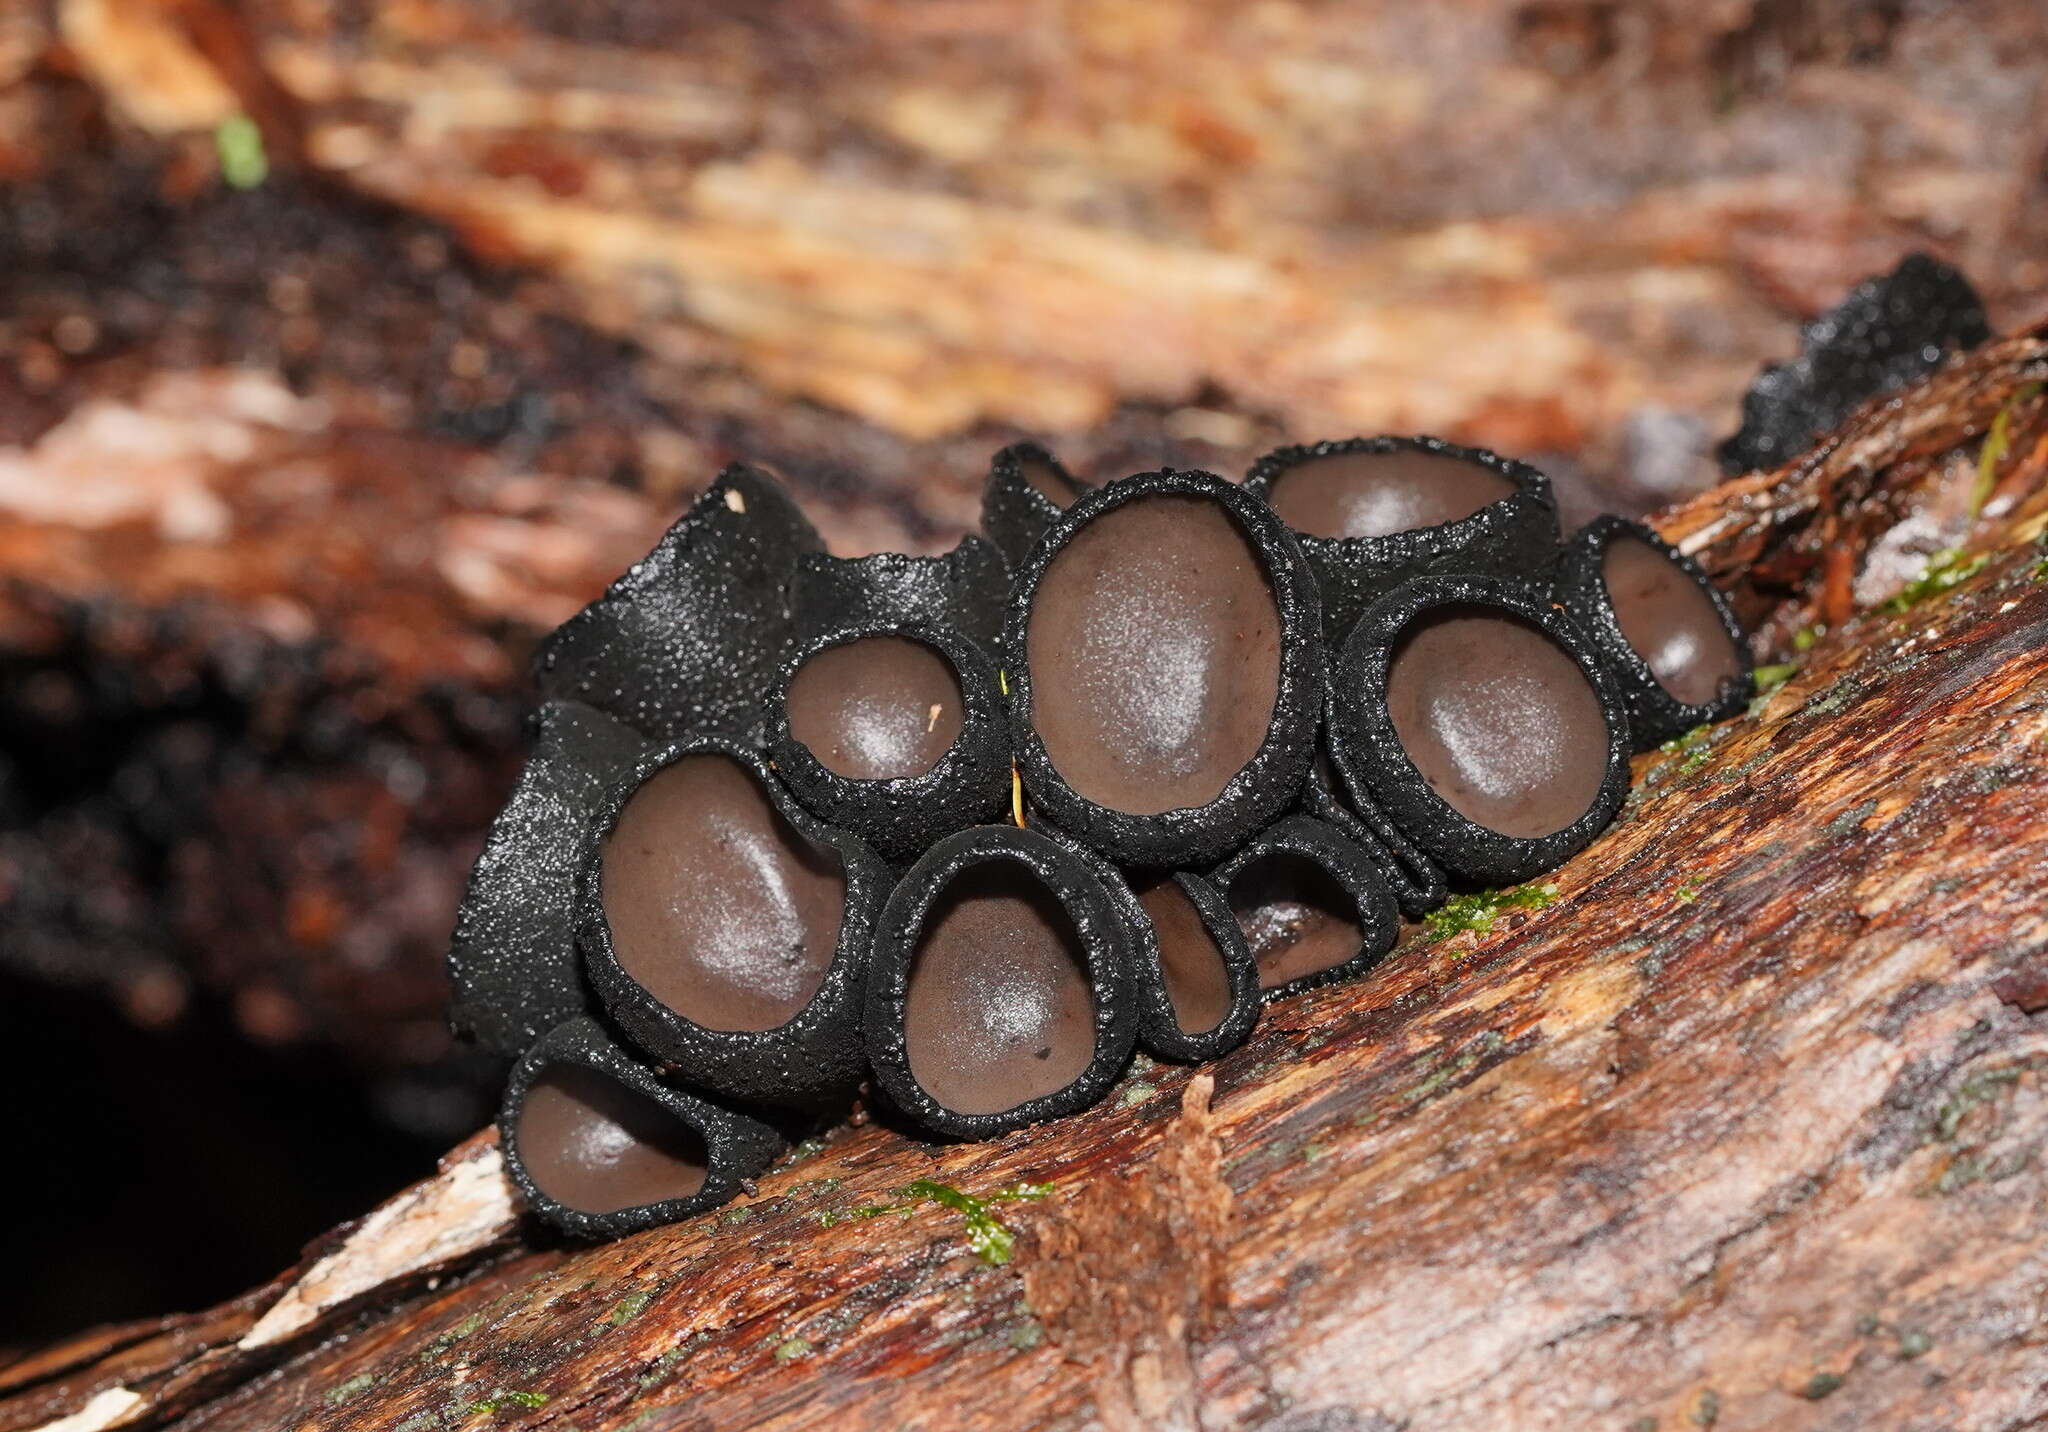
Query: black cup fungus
x,y
1313,906
998,994
1668,637
1026,491
726,929
1373,512
1483,724
600,1147
1165,669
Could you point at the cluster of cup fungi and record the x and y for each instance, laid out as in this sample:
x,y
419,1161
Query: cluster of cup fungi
x,y
972,828
1136,761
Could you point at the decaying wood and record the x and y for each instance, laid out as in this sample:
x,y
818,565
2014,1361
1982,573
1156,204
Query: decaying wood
x,y
523,274
1741,1129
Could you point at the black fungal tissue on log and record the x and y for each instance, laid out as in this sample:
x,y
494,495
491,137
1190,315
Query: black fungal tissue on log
x,y
1668,637
1027,490
1483,723
1372,513
1139,760
1890,331
1165,669
727,930
999,992
888,719
600,1147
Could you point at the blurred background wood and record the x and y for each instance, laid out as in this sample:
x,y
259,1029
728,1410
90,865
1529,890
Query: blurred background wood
x,y
345,345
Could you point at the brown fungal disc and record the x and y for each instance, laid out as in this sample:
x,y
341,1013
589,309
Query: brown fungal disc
x,y
1670,622
998,1011
1297,919
717,906
594,1145
1154,643
1499,719
1376,494
1197,982
877,708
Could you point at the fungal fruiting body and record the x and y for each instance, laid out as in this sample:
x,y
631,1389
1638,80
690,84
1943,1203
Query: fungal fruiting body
x,y
760,852
1372,513
1166,672
726,930
1668,637
1484,724
998,995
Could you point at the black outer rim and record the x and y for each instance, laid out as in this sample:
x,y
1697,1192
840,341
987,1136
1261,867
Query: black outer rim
x,y
1098,925
1158,1027
809,1060
1369,757
1014,514
687,638
1654,714
965,589
738,1147
1267,784
1351,866
901,818
1515,536
512,966
1413,879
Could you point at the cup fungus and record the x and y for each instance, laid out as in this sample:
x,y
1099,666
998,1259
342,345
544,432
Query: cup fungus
x,y
1483,724
1668,637
963,590
600,1147
1165,669
726,930
1373,512
1027,490
1312,905
997,996
512,958
689,639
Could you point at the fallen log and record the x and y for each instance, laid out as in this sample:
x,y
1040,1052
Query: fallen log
x,y
1734,1122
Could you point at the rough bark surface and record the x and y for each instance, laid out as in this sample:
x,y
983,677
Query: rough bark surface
x,y
1743,1128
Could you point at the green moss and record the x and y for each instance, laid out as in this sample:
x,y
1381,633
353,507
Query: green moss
x,y
341,1392
1477,910
1977,1089
1135,1095
1997,443
1689,891
1770,678
1454,1069
791,1349
1914,1343
1945,569
990,1240
629,1307
1027,1335
1820,1385
1805,637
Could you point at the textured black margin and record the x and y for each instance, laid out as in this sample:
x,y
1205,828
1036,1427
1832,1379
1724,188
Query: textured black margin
x,y
901,818
813,1058
1271,781
1159,1031
1351,866
1014,514
738,1147
1369,758
1515,536
512,958
1416,882
964,589
1098,925
691,636
1654,714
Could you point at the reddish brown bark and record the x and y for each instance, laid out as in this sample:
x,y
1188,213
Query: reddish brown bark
x,y
1742,1129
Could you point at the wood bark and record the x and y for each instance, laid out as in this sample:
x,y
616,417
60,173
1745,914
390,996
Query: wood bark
x,y
1742,1128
